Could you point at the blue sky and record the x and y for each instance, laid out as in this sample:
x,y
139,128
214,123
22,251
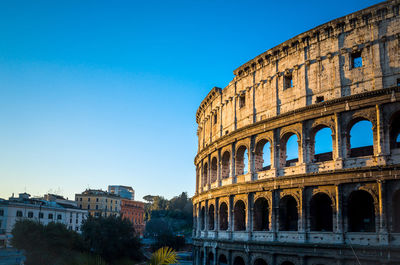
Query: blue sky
x,y
105,92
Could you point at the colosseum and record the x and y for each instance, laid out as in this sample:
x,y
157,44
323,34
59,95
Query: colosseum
x,y
332,201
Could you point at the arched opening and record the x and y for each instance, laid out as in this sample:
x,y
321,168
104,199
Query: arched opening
x,y
287,263
396,212
226,161
261,215
323,144
239,213
262,156
321,213
211,217
202,218
361,212
395,131
222,260
289,150
214,169
260,262
210,258
238,261
223,216
241,163
205,171
361,139
288,215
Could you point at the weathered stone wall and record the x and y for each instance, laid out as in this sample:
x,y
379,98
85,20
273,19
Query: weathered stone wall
x,y
319,62
319,208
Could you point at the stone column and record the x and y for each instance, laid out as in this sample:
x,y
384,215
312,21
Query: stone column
x,y
301,142
219,170
251,153
383,230
197,180
382,143
253,88
302,215
217,213
206,217
249,214
337,143
340,226
198,219
201,176
275,214
209,171
275,161
231,224
205,255
220,118
234,107
232,165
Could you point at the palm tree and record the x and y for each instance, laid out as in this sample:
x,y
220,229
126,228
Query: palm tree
x,y
163,256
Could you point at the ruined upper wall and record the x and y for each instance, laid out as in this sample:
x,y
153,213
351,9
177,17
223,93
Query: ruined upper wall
x,y
318,64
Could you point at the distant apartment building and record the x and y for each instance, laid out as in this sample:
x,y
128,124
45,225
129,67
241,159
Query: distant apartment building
x,y
125,192
134,212
55,209
99,203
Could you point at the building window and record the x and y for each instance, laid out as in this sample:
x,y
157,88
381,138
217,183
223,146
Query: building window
x,y
97,207
19,213
70,220
1,212
398,82
215,118
59,217
50,216
40,215
319,99
288,81
111,201
30,214
242,101
76,221
80,199
88,199
88,207
356,60
97,199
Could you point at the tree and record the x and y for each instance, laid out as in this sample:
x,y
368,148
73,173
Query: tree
x,y
159,203
45,244
163,256
111,237
149,198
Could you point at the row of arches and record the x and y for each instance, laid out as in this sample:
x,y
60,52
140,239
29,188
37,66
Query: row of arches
x,y
238,260
359,138
360,214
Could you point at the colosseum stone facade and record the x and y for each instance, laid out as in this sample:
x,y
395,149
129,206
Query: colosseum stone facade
x,y
337,207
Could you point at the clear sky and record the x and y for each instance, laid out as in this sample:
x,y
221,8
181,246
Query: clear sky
x,y
94,93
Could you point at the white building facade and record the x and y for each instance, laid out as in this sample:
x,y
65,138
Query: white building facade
x,y
38,210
